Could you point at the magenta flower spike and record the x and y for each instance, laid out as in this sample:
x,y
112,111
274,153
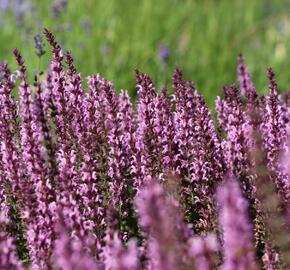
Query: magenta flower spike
x,y
247,87
167,236
235,226
9,130
274,136
69,252
145,156
39,195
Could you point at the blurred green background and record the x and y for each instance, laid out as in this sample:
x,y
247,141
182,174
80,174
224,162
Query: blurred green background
x,y
113,37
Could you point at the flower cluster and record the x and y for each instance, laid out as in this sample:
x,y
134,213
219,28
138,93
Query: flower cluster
x,y
88,181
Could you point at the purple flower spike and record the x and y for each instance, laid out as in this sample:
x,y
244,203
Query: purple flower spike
x,y
8,258
274,136
40,199
184,123
9,130
122,122
164,128
237,232
161,222
199,159
69,253
144,159
247,87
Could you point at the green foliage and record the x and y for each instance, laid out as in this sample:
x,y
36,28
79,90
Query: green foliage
x,y
204,38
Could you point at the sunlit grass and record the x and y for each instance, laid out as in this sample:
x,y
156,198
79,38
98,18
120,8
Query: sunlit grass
x,y
204,38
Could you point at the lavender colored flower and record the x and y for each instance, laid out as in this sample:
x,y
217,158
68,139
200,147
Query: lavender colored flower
x,y
40,116
117,157
238,249
21,9
39,45
164,54
207,167
236,139
274,119
4,4
58,7
72,193
69,187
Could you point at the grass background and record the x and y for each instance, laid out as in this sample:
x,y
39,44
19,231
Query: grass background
x,y
114,37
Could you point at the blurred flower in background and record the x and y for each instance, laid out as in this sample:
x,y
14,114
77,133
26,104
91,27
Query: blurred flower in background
x,y
164,54
20,8
58,7
39,45
1,71
4,4
87,25
105,51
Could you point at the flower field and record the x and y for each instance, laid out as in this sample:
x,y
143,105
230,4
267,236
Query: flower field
x,y
88,180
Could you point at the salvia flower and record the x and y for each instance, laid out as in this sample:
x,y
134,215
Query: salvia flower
x,y
274,135
69,253
238,249
89,182
247,87
163,225
144,159
40,197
